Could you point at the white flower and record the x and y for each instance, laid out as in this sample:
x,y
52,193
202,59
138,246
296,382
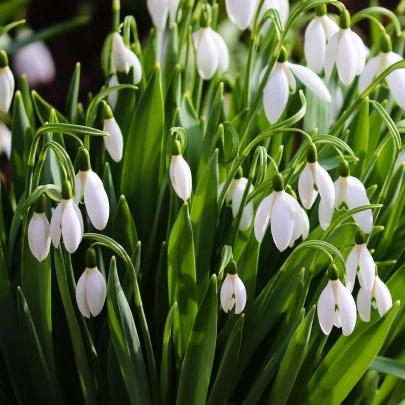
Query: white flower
x,y
282,81
305,224
39,233
347,50
113,95
91,292
282,6
336,306
314,175
379,298
35,61
350,193
6,83
123,59
241,12
233,293
90,188
68,221
113,143
317,35
212,52
5,140
234,196
160,9
285,213
180,174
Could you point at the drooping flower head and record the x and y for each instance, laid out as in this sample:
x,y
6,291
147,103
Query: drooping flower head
x,y
241,12
115,142
233,291
336,305
180,173
6,83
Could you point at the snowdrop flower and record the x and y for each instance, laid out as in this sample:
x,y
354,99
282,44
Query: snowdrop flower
x,y
234,197
315,178
233,291
160,9
282,81
336,305
360,263
346,49
318,33
113,143
302,214
113,95
379,297
90,188
35,61
5,140
91,290
123,59
282,6
349,193
285,214
67,221
39,233
180,173
375,66
241,12
6,83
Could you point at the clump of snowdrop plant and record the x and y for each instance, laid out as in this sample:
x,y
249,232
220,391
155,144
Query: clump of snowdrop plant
x,y
238,210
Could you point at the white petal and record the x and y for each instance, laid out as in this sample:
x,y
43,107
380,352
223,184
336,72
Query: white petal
x,y
81,297
173,6
263,217
119,53
330,27
180,176
114,143
297,215
39,236
133,61
292,84
275,95
367,268
305,224
113,96
207,55
356,196
5,140
325,185
325,215
226,293
96,291
240,294
352,263
96,201
78,187
315,45
158,10
369,72
347,308
326,309
282,222
306,187
396,80
247,214
346,57
71,230
56,225
222,50
364,305
241,12
330,54
80,217
382,296
360,52
6,88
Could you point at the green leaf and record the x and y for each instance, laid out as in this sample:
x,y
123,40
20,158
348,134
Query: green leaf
x,y
199,358
43,109
109,188
126,341
389,366
9,7
30,201
171,58
124,231
360,138
203,218
182,281
43,376
23,86
73,96
317,115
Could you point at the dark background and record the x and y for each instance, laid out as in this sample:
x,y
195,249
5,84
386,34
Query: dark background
x,y
84,44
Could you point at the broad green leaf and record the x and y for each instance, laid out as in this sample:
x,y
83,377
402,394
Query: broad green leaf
x,y
389,366
359,138
182,281
171,58
43,109
9,7
109,188
199,358
23,86
73,96
317,115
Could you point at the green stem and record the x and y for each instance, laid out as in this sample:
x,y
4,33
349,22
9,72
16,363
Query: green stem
x,y
197,94
248,74
116,9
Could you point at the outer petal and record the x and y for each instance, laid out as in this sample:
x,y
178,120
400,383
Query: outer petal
x,y
5,140
347,308
158,9
292,84
80,217
361,52
263,217
325,215
56,225
39,238
352,263
356,196
367,269
71,229
326,309
346,58
364,305
282,223
330,27
207,55
81,297
315,45
275,95
114,143
241,12
180,176
134,62
96,291
6,88
226,294
222,50
78,188
306,187
382,296
305,224
113,96
247,214
330,54
297,215
96,201
240,294
369,72
396,80
325,185
119,53
173,6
